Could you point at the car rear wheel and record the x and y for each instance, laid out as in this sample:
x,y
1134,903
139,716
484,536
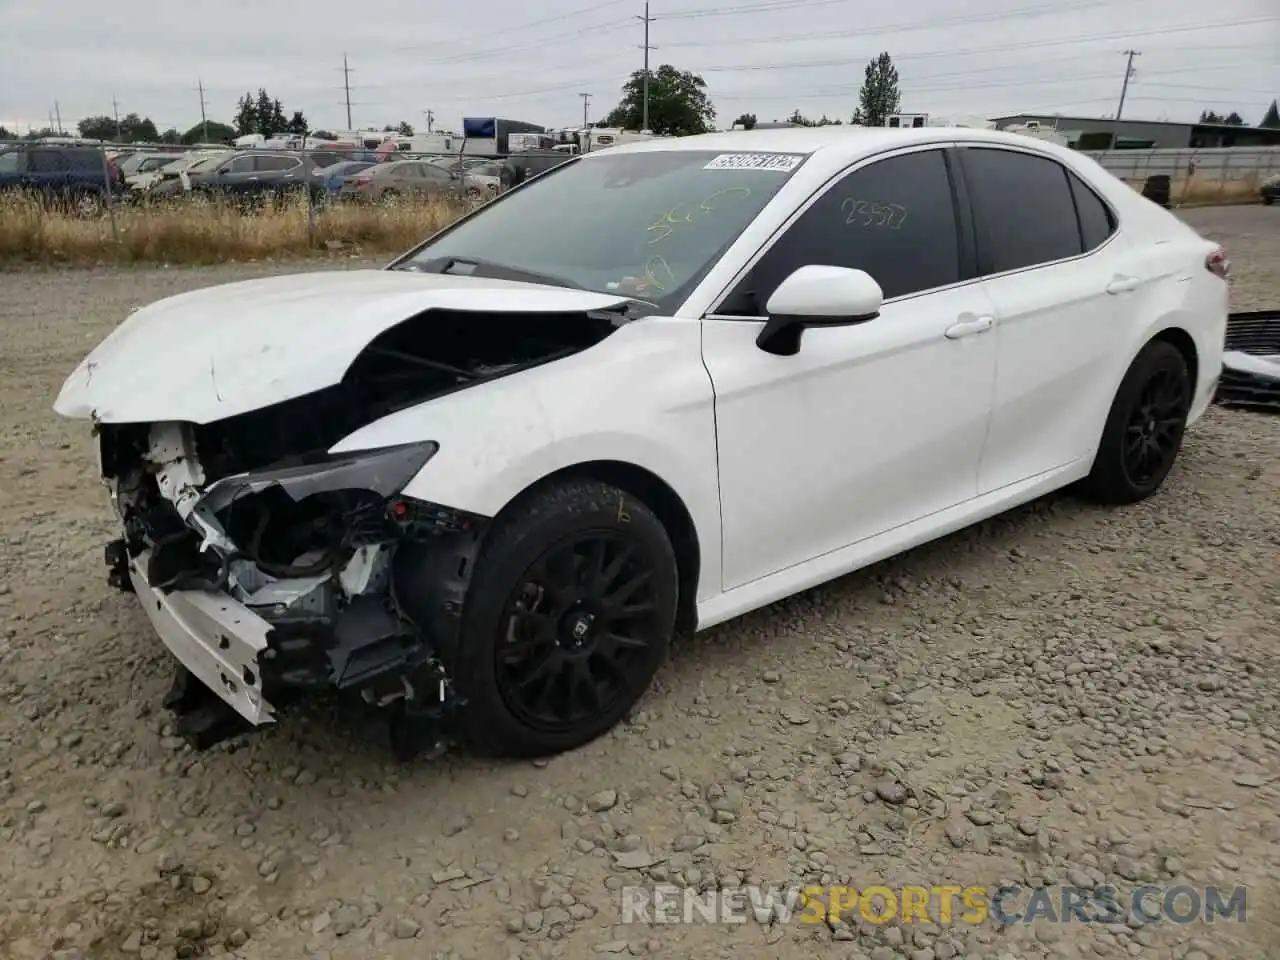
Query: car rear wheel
x,y
1144,429
569,616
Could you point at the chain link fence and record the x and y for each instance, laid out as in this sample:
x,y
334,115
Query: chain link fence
x,y
1197,175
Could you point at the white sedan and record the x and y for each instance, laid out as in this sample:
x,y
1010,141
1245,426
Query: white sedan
x,y
658,387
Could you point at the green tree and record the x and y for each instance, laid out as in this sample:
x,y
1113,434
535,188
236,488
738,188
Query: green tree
x,y
265,115
747,121
131,129
1272,117
246,118
41,133
678,103
1208,116
209,132
401,128
171,136
1234,119
879,96
297,123
6,135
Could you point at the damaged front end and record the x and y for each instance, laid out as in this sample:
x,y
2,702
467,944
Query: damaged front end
x,y
272,583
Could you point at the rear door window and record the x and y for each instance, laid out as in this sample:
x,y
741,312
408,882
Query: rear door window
x,y
1023,205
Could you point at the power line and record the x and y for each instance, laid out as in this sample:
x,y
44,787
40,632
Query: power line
x,y
646,46
1128,73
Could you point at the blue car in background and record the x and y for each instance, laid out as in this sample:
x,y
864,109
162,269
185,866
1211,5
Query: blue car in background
x,y
329,180
75,177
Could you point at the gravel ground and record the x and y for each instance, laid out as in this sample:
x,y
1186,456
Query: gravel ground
x,y
1061,695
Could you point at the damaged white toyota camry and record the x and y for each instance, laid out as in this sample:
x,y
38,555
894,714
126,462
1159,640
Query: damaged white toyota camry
x,y
647,391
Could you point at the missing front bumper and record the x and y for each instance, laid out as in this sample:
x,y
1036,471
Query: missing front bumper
x,y
235,668
214,637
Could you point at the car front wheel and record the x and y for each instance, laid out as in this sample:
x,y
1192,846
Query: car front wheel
x,y
569,615
1144,429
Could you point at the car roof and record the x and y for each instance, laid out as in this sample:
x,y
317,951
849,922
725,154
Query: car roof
x,y
835,142
832,148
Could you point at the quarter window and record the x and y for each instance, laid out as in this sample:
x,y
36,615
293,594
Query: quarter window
x,y
1025,211
895,219
1096,220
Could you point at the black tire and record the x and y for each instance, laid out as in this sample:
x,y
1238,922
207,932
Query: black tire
x,y
1144,429
1268,200
514,604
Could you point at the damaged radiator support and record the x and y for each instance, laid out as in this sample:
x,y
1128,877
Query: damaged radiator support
x,y
316,553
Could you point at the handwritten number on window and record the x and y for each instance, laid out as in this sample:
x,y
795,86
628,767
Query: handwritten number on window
x,y
666,224
867,213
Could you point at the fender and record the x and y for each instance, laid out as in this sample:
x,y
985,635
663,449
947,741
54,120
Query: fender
x,y
499,438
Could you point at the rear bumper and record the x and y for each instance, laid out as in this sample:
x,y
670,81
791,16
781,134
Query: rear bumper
x,y
216,638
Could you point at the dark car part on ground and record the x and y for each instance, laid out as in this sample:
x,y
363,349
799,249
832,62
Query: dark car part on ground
x,y
363,589
1251,361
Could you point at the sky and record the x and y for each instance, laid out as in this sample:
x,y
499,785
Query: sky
x,y
531,62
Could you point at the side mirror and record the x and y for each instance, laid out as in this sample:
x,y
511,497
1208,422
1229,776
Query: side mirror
x,y
817,296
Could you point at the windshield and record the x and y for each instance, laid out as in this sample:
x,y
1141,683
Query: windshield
x,y
646,225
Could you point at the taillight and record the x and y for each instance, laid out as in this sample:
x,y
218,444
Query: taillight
x,y
1218,263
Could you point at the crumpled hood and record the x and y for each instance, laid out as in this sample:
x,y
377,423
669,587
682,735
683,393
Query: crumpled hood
x,y
224,350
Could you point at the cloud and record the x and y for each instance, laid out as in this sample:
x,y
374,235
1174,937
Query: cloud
x,y
499,57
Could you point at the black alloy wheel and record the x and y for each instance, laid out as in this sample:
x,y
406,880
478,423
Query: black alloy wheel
x,y
1144,429
569,614
579,630
1154,431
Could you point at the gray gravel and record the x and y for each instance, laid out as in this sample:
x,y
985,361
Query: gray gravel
x,y
1061,695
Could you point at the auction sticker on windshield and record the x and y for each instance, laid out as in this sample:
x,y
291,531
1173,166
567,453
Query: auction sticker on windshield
x,y
756,161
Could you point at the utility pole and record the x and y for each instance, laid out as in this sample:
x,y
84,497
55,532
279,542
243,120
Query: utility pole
x,y
431,118
586,98
346,85
644,96
115,108
58,113
204,120
1128,73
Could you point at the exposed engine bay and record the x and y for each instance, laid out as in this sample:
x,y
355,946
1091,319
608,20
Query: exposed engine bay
x,y
351,585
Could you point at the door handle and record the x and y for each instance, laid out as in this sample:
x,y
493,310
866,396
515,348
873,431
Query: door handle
x,y
969,325
1122,284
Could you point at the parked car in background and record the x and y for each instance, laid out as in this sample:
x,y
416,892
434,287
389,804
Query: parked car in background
x,y
176,183
1270,189
482,180
332,178
384,181
141,184
257,174
141,163
82,178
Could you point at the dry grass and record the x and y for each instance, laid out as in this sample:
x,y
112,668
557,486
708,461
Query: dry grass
x,y
203,232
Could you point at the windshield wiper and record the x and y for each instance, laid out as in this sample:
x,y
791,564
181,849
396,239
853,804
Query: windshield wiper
x,y
500,271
